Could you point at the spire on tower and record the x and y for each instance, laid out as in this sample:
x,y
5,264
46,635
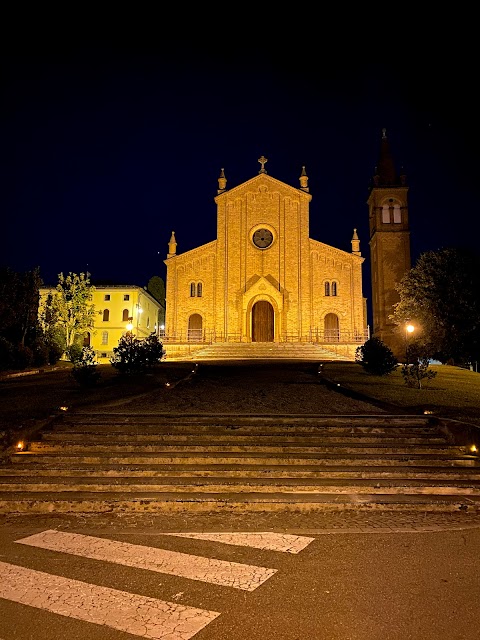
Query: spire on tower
x,y
222,182
385,171
172,246
355,243
304,180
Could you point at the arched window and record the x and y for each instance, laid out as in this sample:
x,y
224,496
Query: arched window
x,y
192,289
334,288
386,214
397,214
86,339
104,337
106,315
199,289
327,288
125,315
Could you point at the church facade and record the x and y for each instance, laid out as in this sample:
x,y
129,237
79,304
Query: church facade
x,y
263,279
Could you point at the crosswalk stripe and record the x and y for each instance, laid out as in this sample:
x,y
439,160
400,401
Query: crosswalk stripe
x,y
221,572
135,614
268,541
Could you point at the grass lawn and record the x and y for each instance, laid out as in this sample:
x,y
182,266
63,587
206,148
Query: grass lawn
x,y
453,393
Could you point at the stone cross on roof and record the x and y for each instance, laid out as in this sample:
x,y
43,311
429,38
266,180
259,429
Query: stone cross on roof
x,y
262,161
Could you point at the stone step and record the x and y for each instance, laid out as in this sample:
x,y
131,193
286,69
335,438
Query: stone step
x,y
232,485
106,462
265,350
230,503
26,458
249,449
214,421
253,471
71,439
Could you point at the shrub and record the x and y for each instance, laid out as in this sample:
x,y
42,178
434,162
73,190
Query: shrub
x,y
40,352
6,354
376,357
22,357
136,356
85,368
75,353
416,368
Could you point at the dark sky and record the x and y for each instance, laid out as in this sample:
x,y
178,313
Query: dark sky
x,y
109,145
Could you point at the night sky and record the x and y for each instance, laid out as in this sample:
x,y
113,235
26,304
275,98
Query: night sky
x,y
107,147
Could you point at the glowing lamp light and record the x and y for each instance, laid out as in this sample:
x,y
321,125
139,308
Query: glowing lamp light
x,y
167,384
410,328
129,326
63,408
20,446
427,412
473,449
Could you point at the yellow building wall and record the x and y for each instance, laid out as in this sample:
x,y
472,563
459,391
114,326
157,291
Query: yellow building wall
x,y
122,303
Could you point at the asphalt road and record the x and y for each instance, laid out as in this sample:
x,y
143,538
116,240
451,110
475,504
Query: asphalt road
x,y
60,579
358,576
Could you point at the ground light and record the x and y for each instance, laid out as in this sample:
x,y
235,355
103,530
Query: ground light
x,y
20,446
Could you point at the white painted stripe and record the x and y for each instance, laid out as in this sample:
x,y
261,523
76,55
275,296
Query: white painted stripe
x,y
268,541
228,574
135,614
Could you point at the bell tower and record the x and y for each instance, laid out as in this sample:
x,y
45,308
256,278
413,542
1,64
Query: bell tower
x,y
390,256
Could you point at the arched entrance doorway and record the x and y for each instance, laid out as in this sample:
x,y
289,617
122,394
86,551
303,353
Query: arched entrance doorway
x,y
331,328
195,328
262,322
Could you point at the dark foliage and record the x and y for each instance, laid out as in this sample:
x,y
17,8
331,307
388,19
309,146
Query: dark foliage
x,y
376,357
137,356
441,295
85,368
416,369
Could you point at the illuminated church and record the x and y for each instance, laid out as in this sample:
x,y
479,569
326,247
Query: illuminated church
x,y
263,279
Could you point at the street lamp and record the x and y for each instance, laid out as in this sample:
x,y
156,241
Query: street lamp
x,y
409,328
129,326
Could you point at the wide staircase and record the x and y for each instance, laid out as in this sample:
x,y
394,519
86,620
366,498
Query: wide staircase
x,y
270,350
95,462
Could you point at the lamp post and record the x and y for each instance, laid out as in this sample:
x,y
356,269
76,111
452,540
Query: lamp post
x,y
409,328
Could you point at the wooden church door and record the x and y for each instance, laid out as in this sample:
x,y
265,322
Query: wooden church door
x,y
262,322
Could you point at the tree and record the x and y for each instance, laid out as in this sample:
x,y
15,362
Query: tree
x,y
417,367
71,306
376,357
21,337
441,296
156,288
19,298
53,332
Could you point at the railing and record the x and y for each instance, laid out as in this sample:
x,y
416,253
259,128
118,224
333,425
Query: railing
x,y
315,336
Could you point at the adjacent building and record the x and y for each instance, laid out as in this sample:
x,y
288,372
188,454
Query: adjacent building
x,y
390,255
118,309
